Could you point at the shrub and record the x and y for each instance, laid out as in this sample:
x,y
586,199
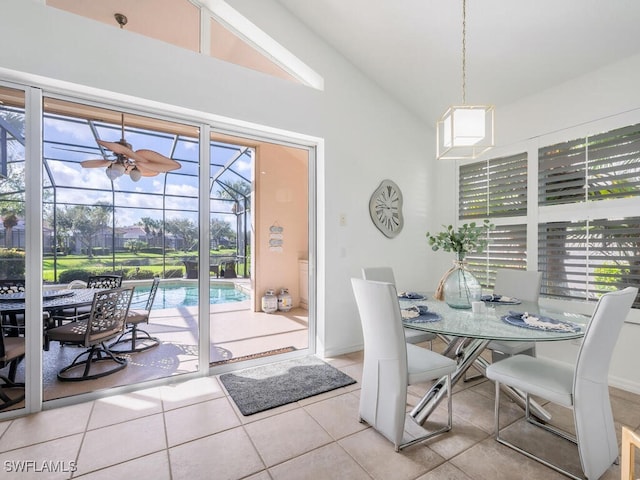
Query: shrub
x,y
74,274
137,274
156,250
83,274
12,263
137,262
174,273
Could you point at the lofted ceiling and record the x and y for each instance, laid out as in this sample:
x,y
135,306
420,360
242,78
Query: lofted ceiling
x,y
515,48
413,48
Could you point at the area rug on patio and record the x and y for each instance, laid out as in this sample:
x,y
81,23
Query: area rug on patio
x,y
261,388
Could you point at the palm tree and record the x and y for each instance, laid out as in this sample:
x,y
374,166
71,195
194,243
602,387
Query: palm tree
x,y
9,221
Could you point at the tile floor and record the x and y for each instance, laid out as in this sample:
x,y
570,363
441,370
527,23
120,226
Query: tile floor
x,y
192,430
235,332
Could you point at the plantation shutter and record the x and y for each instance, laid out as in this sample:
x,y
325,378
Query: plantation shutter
x,y
507,249
495,188
603,166
614,259
614,164
584,260
472,193
561,173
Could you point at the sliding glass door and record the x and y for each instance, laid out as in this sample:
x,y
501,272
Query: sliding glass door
x,y
121,198
13,251
259,252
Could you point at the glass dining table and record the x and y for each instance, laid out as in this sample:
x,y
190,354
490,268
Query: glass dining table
x,y
467,334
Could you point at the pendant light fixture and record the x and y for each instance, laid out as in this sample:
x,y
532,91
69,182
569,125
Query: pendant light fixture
x,y
465,131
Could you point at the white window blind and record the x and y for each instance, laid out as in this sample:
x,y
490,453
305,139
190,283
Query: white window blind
x,y
507,248
586,259
600,167
493,188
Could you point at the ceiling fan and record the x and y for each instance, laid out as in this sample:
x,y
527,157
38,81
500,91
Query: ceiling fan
x,y
136,164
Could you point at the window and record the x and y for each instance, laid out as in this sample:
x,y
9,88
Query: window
x,y
601,167
589,187
507,249
585,259
587,219
496,188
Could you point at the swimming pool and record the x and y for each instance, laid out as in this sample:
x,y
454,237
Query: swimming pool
x,y
175,295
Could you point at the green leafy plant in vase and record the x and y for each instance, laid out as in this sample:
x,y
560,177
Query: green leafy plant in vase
x,y
458,287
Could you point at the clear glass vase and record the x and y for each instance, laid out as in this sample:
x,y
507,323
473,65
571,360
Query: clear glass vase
x,y
461,287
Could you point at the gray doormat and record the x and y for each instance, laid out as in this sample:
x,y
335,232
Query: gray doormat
x,y
261,388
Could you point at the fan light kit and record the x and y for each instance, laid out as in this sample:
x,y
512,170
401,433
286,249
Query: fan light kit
x,y
138,164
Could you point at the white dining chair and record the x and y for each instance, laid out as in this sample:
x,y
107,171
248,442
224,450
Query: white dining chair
x,y
523,285
385,274
391,364
583,388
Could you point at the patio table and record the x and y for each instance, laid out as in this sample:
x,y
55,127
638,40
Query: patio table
x,y
12,304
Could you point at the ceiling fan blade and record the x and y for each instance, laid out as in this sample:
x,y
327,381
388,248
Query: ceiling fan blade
x,y
95,163
119,149
146,172
156,161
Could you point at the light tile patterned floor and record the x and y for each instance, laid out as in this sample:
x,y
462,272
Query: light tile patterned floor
x,y
192,430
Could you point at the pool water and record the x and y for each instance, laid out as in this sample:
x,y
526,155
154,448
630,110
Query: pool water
x,y
175,295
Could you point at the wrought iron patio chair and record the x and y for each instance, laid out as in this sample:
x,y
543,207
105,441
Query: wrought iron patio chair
x,y
134,339
14,320
104,281
12,351
103,323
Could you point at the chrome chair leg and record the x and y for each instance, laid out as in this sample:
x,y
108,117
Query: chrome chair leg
x,y
531,420
447,428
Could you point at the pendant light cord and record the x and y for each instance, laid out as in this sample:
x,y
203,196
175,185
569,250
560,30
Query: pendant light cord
x,y
464,52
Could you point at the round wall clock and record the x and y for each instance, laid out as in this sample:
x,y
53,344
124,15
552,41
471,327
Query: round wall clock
x,y
385,208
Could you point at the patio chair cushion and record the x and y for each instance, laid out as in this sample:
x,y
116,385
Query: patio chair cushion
x,y
13,348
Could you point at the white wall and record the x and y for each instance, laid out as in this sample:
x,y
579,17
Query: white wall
x,y
368,137
603,100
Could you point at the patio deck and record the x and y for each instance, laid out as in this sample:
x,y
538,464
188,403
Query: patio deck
x,y
236,332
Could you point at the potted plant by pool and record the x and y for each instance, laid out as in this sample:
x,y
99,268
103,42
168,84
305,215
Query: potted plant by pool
x,y
458,287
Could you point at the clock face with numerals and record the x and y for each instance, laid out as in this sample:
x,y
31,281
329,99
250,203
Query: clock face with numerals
x,y
385,208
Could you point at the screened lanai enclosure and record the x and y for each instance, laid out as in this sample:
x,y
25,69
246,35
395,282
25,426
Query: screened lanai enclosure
x,y
122,194
141,223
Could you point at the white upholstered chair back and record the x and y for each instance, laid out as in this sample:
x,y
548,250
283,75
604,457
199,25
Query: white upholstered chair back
x,y
383,394
379,274
592,409
385,274
522,284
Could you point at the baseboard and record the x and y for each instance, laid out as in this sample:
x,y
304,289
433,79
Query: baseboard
x,y
336,352
624,384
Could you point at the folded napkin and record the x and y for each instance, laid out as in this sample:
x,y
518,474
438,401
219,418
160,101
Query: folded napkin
x,y
498,298
419,314
490,298
544,323
410,295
